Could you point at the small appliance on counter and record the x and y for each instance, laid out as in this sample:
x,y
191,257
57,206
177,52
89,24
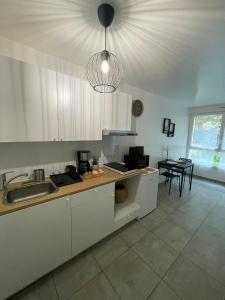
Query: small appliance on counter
x,y
39,175
83,161
69,177
120,168
136,158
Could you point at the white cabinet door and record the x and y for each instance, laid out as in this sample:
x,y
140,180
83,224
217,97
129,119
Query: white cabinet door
x,y
33,242
12,124
92,105
33,102
66,88
28,100
79,110
147,193
40,103
117,111
123,113
92,216
50,105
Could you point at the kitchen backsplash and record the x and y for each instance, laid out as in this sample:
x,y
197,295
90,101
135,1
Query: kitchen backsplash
x,y
54,156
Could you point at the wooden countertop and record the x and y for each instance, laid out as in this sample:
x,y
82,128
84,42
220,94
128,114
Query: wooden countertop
x,y
108,177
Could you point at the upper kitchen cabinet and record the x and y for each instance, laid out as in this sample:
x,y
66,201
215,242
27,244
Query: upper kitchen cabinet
x,y
40,103
28,101
12,122
79,110
117,111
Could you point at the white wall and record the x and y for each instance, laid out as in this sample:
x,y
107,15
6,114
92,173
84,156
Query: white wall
x,y
149,126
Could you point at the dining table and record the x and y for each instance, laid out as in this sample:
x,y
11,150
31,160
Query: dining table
x,y
182,167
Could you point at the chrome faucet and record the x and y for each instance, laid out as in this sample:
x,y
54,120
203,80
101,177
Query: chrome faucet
x,y
3,180
4,183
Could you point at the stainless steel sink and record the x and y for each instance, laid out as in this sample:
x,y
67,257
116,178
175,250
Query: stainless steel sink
x,y
29,192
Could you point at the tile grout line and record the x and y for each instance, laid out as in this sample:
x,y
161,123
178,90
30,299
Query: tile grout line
x,y
52,277
108,279
180,254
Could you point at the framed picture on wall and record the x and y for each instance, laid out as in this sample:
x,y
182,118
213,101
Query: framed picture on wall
x,y
171,131
166,125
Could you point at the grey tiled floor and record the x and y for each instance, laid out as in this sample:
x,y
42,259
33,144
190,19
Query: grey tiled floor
x,y
176,252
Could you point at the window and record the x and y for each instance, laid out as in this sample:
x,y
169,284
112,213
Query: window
x,y
207,139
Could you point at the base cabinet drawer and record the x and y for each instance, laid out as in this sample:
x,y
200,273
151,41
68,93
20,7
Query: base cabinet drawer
x,y
92,214
33,242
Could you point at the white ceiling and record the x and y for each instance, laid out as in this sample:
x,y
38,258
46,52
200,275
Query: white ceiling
x,y
173,48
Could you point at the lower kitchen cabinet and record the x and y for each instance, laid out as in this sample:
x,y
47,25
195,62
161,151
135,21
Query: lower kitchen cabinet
x,y
147,193
92,216
33,241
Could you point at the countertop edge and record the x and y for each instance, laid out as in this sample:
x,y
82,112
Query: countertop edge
x,y
63,192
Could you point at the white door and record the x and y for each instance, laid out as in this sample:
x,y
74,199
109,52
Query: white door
x,y
147,193
12,125
92,216
34,241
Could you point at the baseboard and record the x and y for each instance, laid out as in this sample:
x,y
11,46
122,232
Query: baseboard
x,y
209,179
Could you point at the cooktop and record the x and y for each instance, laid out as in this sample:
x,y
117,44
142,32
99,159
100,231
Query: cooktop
x,y
119,168
64,179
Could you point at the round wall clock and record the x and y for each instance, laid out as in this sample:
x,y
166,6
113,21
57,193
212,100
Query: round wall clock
x,y
137,108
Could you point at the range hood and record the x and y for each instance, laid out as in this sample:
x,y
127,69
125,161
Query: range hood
x,y
119,132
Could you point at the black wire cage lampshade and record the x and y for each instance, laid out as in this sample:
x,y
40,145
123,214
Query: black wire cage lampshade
x,y
104,70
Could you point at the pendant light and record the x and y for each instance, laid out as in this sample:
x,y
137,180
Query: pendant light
x,y
104,71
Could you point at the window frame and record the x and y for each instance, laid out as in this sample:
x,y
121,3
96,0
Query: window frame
x,y
192,116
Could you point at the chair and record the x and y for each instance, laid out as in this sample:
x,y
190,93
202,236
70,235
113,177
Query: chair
x,y
186,160
169,174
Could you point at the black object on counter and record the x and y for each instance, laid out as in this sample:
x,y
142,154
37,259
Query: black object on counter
x,y
64,179
136,162
83,163
136,151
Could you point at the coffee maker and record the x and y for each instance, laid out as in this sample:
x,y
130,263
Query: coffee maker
x,y
83,161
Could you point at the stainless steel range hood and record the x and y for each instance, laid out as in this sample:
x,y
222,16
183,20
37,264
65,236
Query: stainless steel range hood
x,y
119,132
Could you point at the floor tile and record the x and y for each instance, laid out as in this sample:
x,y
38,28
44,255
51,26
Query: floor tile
x,y
185,221
131,277
40,290
109,249
211,236
132,232
172,234
98,288
207,256
153,219
216,221
156,253
197,209
73,275
191,283
163,292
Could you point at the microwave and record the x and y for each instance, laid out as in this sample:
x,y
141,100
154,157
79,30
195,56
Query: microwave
x,y
136,162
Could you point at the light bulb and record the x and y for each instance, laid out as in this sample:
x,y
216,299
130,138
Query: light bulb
x,y
105,66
